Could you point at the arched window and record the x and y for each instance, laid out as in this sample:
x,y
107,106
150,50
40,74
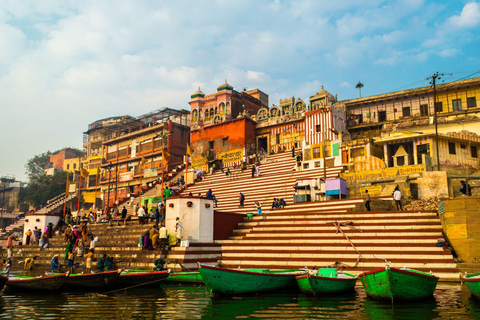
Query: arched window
x,y
194,115
211,112
216,111
227,108
206,115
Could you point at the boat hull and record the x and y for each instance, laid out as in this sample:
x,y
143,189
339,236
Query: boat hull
x,y
3,280
230,281
185,277
37,283
312,284
93,280
473,284
398,284
137,277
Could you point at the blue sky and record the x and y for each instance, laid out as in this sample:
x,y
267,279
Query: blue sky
x,y
65,64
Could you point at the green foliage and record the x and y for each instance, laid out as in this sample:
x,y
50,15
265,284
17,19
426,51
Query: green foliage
x,y
44,188
35,166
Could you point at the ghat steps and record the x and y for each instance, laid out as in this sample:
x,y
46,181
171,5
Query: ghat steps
x,y
281,240
120,242
304,234
277,179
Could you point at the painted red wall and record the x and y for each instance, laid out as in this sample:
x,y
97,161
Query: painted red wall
x,y
224,223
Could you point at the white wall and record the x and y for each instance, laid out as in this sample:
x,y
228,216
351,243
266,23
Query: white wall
x,y
43,221
197,220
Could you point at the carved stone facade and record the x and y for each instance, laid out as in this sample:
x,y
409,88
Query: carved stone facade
x,y
224,105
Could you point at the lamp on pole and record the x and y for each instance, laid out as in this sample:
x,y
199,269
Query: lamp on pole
x,y
434,77
359,86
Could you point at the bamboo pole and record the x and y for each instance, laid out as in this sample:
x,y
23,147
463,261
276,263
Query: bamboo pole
x,y
95,198
66,195
79,194
141,176
186,173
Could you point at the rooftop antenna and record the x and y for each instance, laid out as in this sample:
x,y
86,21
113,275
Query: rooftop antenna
x,y
359,86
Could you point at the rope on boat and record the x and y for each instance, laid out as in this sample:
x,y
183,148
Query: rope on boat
x,y
348,224
137,285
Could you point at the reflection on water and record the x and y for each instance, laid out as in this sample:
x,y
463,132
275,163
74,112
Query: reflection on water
x,y
195,302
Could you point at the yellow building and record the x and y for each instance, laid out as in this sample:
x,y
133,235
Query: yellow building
x,y
72,165
413,110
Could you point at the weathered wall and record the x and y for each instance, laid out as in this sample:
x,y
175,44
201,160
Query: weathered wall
x,y
461,224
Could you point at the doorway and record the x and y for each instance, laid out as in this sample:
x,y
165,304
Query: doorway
x,y
262,144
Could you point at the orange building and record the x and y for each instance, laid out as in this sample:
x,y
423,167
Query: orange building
x,y
221,126
226,104
227,142
57,160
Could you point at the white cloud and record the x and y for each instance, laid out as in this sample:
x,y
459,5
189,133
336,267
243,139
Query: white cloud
x,y
469,17
66,64
12,43
255,75
451,52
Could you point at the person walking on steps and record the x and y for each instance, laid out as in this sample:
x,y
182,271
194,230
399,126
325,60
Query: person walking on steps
x,y
367,200
397,196
242,200
258,207
253,171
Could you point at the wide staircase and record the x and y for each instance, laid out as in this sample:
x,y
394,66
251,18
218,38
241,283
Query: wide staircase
x,y
305,235
320,233
120,242
277,180
150,190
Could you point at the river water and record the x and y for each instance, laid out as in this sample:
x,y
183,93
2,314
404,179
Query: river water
x,y
451,301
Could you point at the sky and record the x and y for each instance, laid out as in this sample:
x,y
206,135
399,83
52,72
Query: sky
x,y
66,64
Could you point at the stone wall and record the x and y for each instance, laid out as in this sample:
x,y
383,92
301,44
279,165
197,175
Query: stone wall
x,y
461,224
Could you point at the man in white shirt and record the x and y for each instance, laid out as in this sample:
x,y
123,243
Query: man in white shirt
x,y
397,196
141,215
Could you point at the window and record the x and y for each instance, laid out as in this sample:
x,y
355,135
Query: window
x,y
451,148
211,144
316,153
473,150
327,150
463,146
382,116
74,166
406,111
471,102
400,161
457,105
359,118
225,142
318,128
277,138
422,149
439,106
68,166
424,109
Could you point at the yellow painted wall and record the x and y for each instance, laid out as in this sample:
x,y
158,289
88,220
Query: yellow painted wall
x,y
461,223
69,163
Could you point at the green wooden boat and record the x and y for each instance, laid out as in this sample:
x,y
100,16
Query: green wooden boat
x,y
185,277
472,281
92,280
398,284
326,281
232,281
53,282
